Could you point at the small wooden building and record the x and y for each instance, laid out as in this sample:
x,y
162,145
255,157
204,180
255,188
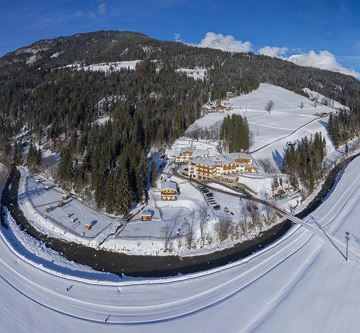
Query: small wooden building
x,y
66,196
169,191
147,215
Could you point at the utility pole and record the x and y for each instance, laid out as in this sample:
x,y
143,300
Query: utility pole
x,y
347,238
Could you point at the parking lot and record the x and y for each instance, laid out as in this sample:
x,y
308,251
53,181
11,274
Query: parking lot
x,y
222,204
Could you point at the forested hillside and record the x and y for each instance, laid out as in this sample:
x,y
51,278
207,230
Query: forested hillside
x,y
147,107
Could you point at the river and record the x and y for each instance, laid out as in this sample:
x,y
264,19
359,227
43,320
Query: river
x,y
155,266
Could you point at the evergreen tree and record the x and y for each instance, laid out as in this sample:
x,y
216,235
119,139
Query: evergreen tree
x,y
153,174
65,165
235,132
123,198
304,161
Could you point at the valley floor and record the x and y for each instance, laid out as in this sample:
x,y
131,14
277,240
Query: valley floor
x,y
300,283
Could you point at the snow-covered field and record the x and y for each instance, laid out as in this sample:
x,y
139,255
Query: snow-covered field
x,y
301,283
291,118
135,237
197,73
319,98
68,222
105,67
286,122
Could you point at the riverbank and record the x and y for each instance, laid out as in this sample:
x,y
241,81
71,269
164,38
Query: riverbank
x,y
156,266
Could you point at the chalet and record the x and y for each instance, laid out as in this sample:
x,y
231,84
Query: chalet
x,y
226,165
147,215
246,162
202,168
188,153
169,191
221,166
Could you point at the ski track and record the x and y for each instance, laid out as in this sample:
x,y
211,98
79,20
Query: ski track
x,y
243,274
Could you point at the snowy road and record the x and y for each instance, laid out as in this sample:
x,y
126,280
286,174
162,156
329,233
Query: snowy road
x,y
298,284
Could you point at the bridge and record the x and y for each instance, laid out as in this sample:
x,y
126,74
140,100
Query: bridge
x,y
319,231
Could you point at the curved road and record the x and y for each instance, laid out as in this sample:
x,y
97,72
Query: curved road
x,y
297,284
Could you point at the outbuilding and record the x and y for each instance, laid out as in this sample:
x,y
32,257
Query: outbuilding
x,y
147,215
169,190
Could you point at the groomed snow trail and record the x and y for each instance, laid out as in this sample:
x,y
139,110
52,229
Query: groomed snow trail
x,y
297,284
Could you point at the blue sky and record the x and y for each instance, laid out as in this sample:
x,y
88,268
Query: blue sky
x,y
299,26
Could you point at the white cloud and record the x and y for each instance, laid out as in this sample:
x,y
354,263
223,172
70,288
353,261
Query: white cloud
x,y
224,43
322,60
101,8
97,12
177,37
273,51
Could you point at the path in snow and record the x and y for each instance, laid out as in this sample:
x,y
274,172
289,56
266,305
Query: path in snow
x,y
297,284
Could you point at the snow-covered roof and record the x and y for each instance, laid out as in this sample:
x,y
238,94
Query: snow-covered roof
x,y
186,149
170,184
220,159
148,212
240,155
204,160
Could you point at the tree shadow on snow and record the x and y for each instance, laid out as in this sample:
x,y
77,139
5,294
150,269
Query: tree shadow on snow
x,y
278,159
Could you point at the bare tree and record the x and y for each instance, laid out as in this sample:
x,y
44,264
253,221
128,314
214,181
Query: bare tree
x,y
254,213
189,235
316,100
166,231
244,213
224,228
267,165
269,211
202,221
269,105
238,229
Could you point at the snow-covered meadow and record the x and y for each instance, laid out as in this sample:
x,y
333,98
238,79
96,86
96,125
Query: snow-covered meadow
x,y
301,283
197,73
107,68
291,118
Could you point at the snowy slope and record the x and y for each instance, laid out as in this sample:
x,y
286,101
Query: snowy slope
x,y
314,95
105,67
197,73
292,117
299,284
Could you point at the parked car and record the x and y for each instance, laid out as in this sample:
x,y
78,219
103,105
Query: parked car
x,y
216,207
226,210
